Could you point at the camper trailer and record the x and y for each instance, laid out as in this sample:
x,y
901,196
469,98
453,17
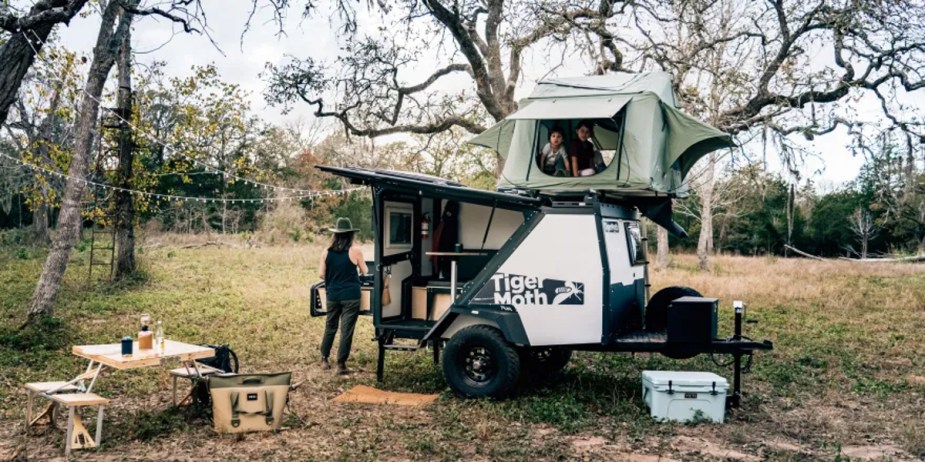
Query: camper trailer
x,y
510,282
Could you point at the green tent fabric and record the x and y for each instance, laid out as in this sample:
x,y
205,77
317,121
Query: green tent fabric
x,y
497,137
652,144
689,139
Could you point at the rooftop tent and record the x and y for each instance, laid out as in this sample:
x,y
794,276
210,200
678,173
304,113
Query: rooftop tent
x,y
653,144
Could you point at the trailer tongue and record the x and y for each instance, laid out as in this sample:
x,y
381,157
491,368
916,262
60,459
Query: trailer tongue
x,y
512,283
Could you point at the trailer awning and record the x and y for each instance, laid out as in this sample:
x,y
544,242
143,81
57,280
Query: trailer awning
x,y
418,184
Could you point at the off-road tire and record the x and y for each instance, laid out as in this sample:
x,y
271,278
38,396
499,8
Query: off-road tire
x,y
543,362
657,309
479,363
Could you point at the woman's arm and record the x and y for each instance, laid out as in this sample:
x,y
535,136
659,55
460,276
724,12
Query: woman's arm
x,y
356,256
322,268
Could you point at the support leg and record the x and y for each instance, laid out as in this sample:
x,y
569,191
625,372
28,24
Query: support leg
x,y
80,436
49,411
380,362
175,391
99,426
436,351
29,402
69,436
736,397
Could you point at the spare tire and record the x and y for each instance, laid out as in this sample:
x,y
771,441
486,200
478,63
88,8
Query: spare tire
x,y
541,363
657,309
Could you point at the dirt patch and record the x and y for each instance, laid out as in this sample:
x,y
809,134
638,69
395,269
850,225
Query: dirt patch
x,y
688,444
585,443
917,380
873,452
600,448
783,446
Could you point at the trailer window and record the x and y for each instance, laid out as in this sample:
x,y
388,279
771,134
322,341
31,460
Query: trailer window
x,y
398,226
604,134
634,240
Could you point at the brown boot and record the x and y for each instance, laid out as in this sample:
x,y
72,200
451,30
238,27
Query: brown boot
x,y
325,364
342,369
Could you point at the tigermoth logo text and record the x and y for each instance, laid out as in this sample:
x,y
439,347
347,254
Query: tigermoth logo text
x,y
515,289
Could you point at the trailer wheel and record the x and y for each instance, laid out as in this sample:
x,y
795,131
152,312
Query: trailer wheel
x,y
544,362
657,309
478,362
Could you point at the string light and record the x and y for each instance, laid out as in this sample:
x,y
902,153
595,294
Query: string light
x,y
303,194
153,138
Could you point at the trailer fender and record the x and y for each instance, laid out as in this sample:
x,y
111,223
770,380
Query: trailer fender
x,y
504,319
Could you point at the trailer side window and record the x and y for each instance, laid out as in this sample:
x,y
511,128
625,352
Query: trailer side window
x,y
398,226
634,240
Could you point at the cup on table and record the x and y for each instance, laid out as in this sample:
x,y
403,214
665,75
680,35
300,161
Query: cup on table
x,y
127,346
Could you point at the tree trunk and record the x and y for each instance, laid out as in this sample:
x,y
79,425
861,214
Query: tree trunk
x,y
705,243
40,224
663,258
125,206
17,55
791,198
104,55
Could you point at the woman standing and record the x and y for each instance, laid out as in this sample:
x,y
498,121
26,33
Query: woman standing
x,y
338,268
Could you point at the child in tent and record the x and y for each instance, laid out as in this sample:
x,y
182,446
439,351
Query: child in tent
x,y
553,158
583,158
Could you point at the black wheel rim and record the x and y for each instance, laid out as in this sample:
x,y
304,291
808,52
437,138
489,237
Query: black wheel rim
x,y
479,365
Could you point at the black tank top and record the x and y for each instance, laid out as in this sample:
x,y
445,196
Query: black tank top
x,y
341,280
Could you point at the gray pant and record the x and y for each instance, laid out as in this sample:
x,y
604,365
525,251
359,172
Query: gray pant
x,y
345,312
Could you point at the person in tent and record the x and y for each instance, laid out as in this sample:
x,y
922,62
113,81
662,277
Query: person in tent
x,y
553,159
338,268
584,159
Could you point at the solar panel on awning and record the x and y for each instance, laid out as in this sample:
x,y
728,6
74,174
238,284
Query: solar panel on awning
x,y
592,107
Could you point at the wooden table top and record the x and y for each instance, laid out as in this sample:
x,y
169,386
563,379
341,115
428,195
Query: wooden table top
x,y
111,354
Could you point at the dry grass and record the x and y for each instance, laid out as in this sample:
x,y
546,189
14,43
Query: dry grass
x,y
846,378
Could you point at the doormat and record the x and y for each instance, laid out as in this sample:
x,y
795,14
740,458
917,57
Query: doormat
x,y
370,395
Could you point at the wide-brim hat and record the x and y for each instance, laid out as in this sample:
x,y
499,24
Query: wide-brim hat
x,y
343,226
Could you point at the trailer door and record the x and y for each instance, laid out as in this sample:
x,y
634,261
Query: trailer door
x,y
626,265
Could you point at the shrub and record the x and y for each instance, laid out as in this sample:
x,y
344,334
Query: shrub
x,y
284,223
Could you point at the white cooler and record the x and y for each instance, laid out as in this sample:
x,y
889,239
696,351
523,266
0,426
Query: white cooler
x,y
678,395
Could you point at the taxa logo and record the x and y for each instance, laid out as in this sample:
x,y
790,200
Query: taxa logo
x,y
515,289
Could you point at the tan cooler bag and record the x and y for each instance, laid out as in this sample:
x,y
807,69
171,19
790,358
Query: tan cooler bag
x,y
248,402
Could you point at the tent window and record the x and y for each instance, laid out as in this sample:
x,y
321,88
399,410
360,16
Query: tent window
x,y
605,138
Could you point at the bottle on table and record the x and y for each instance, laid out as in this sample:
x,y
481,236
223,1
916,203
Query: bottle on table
x,y
145,336
159,335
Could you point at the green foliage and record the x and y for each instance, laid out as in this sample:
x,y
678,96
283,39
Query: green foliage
x,y
358,208
751,212
829,226
44,333
13,237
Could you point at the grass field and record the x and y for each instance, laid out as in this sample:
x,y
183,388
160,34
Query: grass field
x,y
846,380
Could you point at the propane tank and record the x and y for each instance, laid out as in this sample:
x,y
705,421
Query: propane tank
x,y
425,227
